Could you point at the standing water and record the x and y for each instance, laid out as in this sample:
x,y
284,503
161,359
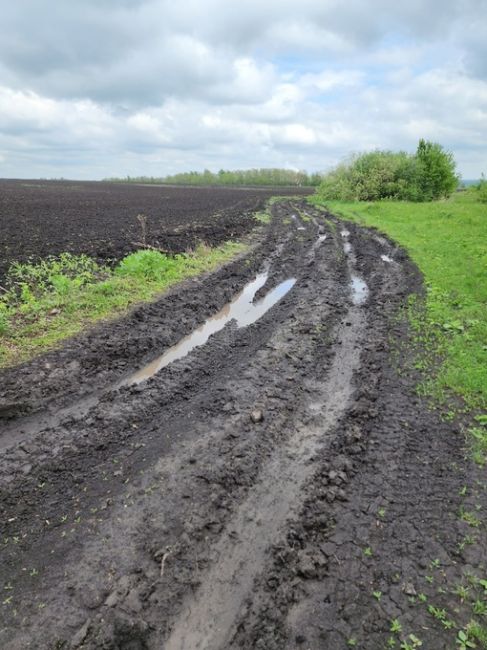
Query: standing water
x,y
242,309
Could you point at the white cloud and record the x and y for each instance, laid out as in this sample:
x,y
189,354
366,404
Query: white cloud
x,y
152,86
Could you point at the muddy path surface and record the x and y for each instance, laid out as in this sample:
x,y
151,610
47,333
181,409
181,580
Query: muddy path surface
x,y
281,486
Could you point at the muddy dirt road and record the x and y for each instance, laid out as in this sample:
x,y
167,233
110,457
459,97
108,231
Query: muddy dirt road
x,y
281,486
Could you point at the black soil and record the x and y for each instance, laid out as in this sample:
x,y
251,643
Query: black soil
x,y
254,494
40,218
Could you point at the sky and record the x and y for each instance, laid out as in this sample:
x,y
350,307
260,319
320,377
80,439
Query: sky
x,y
99,88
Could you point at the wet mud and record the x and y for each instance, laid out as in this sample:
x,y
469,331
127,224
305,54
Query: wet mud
x,y
241,464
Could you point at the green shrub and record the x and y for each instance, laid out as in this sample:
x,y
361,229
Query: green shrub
x,y
436,178
429,174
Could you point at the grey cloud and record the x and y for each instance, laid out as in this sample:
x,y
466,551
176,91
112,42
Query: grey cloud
x,y
140,52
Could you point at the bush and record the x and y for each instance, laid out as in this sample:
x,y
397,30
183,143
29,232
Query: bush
x,y
436,178
427,175
482,190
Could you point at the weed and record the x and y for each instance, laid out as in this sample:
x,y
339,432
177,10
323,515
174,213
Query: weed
x,y
470,518
411,643
396,627
264,217
462,592
377,595
480,607
368,551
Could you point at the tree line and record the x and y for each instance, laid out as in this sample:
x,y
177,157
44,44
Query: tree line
x,y
249,177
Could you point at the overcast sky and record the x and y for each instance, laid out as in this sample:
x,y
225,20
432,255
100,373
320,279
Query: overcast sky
x,y
98,88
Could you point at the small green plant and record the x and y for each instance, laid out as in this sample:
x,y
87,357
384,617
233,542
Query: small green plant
x,y
368,551
377,595
352,642
462,592
480,607
464,642
470,518
396,627
411,643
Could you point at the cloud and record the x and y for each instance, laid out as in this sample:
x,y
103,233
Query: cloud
x,y
152,86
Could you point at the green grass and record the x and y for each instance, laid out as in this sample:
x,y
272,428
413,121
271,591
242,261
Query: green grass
x,y
58,297
448,242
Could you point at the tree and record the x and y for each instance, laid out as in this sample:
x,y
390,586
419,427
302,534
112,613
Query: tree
x,y
436,171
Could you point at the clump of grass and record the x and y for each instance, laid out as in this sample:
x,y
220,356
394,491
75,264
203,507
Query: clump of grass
x,y
56,298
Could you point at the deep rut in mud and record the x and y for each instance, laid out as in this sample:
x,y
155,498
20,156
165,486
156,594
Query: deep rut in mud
x,y
252,492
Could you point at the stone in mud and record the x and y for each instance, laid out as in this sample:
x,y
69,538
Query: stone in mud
x,y
257,416
409,589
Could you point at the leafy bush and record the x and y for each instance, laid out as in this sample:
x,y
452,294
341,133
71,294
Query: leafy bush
x,y
436,167
427,175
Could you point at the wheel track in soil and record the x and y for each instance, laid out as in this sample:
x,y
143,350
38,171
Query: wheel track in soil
x,y
164,547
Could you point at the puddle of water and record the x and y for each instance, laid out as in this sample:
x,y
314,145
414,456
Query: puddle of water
x,y
242,309
321,238
359,289
347,247
386,258
301,228
345,233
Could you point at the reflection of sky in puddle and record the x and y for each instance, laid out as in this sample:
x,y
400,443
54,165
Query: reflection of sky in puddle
x,y
359,289
386,258
241,309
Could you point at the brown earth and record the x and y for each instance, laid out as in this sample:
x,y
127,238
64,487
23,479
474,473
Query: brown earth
x,y
253,494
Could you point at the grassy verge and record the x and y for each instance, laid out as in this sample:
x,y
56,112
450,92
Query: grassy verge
x,y
50,301
448,241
